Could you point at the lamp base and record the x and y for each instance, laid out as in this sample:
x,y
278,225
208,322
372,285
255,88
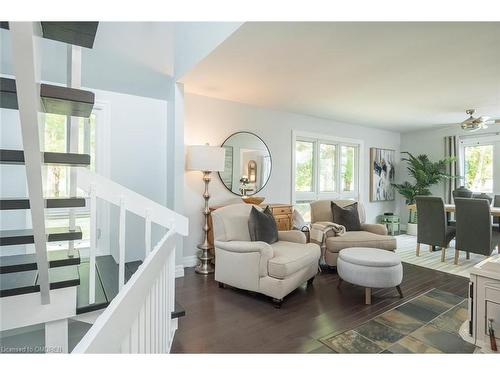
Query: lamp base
x,y
204,266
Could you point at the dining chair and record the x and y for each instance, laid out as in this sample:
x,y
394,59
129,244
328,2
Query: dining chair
x,y
496,219
474,231
462,192
482,196
433,229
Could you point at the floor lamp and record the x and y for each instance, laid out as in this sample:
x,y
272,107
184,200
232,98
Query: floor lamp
x,y
206,159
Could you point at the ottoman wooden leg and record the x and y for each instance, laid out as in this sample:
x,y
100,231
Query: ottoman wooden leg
x,y
368,296
340,283
399,291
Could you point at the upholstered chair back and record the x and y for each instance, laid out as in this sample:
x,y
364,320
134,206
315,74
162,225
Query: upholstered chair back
x,y
431,221
321,210
230,223
473,226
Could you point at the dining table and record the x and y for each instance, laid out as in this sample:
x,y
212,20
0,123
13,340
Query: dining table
x,y
495,211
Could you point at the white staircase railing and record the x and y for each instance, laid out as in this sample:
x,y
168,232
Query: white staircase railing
x,y
138,320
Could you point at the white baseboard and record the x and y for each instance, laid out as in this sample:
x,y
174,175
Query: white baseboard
x,y
189,261
179,271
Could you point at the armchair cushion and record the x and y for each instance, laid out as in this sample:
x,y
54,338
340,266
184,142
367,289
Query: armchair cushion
x,y
360,239
290,257
262,226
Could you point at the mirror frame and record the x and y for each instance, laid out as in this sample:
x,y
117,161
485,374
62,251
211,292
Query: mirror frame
x,y
270,155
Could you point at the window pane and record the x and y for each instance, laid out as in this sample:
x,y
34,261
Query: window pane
x,y
304,166
479,168
304,208
55,141
86,139
327,167
347,168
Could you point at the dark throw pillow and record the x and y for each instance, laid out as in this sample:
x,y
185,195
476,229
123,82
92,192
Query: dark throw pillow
x,y
347,216
262,226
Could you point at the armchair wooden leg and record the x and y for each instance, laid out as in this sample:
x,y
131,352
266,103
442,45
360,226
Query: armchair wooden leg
x,y
467,255
277,302
443,254
340,283
400,291
457,252
418,249
310,281
368,296
221,285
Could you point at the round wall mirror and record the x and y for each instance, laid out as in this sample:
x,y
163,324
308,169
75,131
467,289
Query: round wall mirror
x,y
248,164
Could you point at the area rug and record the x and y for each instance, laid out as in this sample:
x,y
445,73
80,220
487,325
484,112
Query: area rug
x,y
406,245
428,323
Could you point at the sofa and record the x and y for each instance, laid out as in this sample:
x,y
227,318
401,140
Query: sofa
x,y
371,235
274,270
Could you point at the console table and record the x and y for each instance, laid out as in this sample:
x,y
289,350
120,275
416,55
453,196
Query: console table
x,y
282,214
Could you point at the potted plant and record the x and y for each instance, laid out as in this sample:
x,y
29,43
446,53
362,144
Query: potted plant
x,y
426,173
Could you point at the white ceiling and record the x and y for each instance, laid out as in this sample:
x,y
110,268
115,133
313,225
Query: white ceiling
x,y
396,76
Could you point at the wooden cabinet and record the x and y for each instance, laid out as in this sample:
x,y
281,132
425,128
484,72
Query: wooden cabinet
x,y
484,304
282,214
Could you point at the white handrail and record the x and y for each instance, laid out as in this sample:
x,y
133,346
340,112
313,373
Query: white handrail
x,y
112,192
138,320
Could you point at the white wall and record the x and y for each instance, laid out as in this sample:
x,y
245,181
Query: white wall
x,y
138,158
212,120
430,142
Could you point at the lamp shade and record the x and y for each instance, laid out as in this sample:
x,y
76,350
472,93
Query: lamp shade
x,y
205,158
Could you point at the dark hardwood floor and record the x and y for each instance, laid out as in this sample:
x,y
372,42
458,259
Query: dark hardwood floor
x,y
234,321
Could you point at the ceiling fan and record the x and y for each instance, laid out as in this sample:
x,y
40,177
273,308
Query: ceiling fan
x,y
475,123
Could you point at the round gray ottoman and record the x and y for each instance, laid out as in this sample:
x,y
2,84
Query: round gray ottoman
x,y
370,268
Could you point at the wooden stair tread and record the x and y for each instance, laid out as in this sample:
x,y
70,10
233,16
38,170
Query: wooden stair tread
x,y
25,236
76,33
27,262
55,99
17,283
54,158
24,203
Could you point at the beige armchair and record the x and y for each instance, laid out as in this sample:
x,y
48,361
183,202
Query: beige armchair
x,y
371,235
274,270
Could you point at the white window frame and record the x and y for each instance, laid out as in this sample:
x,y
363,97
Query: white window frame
x,y
319,139
482,140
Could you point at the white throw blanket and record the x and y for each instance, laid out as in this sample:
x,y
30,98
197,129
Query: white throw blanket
x,y
320,230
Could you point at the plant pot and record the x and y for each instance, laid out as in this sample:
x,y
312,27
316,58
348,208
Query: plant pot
x,y
411,229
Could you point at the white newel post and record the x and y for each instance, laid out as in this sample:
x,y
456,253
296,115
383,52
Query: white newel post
x,y
93,242
121,244
56,336
147,232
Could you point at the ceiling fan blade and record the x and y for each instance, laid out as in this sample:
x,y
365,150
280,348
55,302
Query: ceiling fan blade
x,y
483,118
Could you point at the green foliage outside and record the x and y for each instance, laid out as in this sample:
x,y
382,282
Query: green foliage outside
x,y
304,166
479,168
348,169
